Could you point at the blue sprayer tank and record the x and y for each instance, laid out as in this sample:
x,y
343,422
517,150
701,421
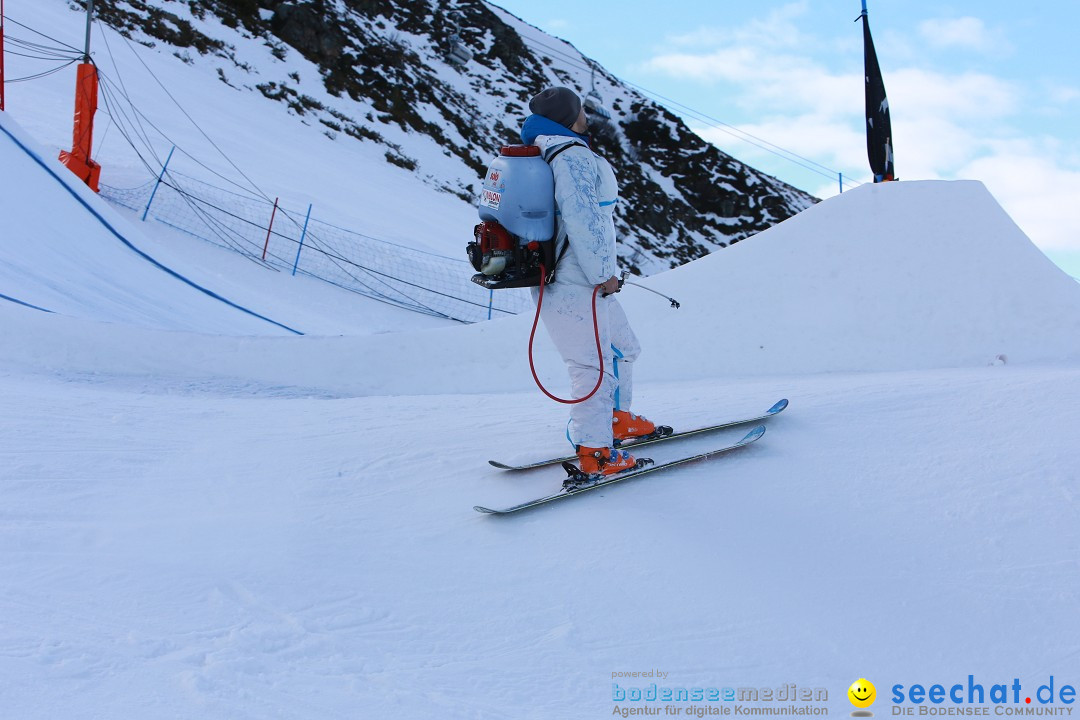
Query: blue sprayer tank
x,y
519,194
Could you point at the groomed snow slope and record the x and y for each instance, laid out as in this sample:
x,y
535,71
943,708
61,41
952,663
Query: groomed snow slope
x,y
63,250
232,528
178,551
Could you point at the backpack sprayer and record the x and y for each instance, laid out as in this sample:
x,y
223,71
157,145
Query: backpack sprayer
x,y
516,237
514,244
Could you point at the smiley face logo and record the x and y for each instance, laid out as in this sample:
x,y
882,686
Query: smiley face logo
x,y
862,693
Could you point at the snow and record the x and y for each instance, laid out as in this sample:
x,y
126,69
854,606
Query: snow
x,y
301,164
207,553
204,515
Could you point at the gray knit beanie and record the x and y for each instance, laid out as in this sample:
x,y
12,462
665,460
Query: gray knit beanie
x,y
559,104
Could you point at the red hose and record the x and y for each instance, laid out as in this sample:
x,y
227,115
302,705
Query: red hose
x,y
596,332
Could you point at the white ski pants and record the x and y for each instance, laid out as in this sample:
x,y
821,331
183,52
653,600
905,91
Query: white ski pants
x,y
567,315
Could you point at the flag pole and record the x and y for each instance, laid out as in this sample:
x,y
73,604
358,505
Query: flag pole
x,y
879,142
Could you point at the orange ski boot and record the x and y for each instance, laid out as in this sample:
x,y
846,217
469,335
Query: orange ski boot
x,y
626,426
604,461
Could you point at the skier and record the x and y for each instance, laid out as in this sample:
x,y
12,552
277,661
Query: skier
x,y
586,193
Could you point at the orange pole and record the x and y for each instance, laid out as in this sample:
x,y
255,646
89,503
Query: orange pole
x,y
86,93
78,160
86,90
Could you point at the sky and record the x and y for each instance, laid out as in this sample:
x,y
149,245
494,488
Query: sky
x,y
983,90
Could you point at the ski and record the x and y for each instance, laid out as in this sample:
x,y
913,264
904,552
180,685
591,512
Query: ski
x,y
774,410
752,436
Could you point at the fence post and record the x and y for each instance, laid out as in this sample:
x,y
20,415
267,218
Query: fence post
x,y
302,236
270,229
841,183
158,183
491,300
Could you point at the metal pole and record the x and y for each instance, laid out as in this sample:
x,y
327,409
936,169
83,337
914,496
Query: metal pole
x,y
270,229
89,20
158,183
302,236
841,183
491,301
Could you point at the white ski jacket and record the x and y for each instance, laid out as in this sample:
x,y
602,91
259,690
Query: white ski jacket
x,y
586,194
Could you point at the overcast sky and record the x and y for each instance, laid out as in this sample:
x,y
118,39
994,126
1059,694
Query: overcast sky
x,y
986,90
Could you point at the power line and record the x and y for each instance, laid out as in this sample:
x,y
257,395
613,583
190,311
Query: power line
x,y
41,74
8,18
314,242
188,115
744,136
801,161
119,116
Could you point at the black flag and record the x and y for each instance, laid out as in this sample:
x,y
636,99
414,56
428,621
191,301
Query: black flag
x,y
879,144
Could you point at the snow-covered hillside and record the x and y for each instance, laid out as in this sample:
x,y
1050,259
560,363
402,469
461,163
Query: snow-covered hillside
x,y
333,102
205,515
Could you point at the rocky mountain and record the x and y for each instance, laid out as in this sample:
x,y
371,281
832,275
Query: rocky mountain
x,y
441,84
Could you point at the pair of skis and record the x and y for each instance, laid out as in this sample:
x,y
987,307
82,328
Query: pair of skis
x,y
752,436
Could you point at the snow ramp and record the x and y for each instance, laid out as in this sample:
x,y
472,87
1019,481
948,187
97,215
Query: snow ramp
x,y
896,276
63,250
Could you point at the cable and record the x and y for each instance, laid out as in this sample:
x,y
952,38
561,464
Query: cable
x,y
317,245
140,116
585,65
803,162
119,116
41,74
47,52
252,183
8,18
187,115
747,137
124,94
137,127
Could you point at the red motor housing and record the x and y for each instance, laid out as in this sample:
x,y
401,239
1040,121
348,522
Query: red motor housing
x,y
494,248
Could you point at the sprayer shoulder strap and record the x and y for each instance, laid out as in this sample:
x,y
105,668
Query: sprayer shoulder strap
x,y
562,148
549,159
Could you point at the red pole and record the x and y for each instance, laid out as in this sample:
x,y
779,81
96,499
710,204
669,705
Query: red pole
x,y
1,55
269,229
